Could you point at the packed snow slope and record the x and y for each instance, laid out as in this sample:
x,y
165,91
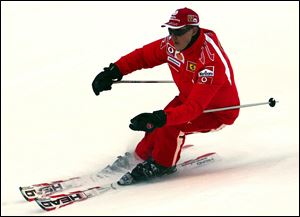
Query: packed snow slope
x,y
54,127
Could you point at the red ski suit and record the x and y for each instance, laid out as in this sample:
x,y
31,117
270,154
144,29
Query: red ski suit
x,y
204,77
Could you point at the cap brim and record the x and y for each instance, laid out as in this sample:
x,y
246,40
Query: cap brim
x,y
178,27
171,26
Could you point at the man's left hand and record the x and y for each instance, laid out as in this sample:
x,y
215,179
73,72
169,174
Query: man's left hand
x,y
148,121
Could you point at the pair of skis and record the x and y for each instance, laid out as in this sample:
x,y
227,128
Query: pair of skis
x,y
44,194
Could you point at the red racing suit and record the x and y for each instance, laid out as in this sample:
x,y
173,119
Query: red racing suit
x,y
205,79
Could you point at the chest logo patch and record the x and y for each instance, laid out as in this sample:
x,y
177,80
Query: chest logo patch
x,y
174,61
191,66
206,76
179,56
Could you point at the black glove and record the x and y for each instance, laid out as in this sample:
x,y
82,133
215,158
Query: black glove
x,y
148,121
105,79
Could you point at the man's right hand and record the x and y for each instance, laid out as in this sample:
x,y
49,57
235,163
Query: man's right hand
x,y
105,79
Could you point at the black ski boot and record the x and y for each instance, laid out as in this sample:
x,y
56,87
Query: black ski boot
x,y
145,171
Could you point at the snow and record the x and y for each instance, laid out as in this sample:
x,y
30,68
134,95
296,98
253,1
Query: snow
x,y
54,127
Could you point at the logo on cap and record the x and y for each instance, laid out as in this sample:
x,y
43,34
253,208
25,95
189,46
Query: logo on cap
x,y
192,19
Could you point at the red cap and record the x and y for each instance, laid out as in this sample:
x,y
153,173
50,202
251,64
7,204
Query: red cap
x,y
181,18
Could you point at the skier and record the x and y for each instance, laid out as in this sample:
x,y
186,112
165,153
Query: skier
x,y
204,76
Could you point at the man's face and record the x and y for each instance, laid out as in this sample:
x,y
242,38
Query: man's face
x,y
182,37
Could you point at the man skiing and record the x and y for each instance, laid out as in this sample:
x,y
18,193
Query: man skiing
x,y
203,74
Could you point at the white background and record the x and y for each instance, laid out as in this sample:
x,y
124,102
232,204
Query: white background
x,y
54,127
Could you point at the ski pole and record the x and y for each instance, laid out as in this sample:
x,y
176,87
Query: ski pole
x,y
272,102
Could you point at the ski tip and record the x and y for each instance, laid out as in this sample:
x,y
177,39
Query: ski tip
x,y
21,190
28,193
41,204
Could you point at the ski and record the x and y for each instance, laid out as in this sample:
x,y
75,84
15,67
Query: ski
x,y
30,193
46,189
53,202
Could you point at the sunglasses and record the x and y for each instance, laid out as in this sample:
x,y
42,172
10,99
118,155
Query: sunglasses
x,y
179,32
